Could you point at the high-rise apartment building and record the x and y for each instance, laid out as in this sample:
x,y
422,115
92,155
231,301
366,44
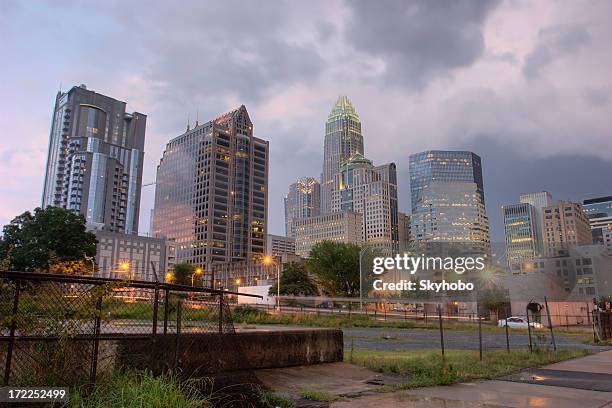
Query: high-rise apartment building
x,y
523,240
95,158
599,212
565,225
341,226
302,201
444,166
343,139
212,192
448,199
372,192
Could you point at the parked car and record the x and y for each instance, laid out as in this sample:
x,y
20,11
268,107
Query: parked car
x,y
399,309
516,322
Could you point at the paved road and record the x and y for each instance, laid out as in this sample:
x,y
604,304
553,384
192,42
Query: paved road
x,y
403,339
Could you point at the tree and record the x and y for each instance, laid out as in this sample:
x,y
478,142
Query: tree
x,y
183,272
336,266
493,298
295,281
51,237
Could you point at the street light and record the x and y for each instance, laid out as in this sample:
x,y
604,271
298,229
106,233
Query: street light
x,y
361,252
198,271
93,265
169,277
124,266
268,260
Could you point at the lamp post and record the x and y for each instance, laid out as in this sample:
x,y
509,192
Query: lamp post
x,y
361,252
125,267
93,265
270,261
198,271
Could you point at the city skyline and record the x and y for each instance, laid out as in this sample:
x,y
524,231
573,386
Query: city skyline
x,y
436,106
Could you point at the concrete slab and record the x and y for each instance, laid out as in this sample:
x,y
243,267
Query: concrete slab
x,y
484,394
337,378
597,363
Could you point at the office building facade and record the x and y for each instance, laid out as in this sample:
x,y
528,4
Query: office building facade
x,y
212,192
444,166
372,192
302,201
522,235
343,139
565,225
599,213
341,226
447,192
278,246
95,159
129,256
403,229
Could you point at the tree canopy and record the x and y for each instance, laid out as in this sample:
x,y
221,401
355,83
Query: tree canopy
x,y
46,240
295,281
183,272
336,266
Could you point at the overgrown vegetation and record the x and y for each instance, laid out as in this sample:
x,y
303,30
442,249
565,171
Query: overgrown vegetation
x,y
426,368
271,400
138,389
318,395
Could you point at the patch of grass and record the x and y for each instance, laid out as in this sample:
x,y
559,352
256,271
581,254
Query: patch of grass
x,y
426,368
271,400
138,389
318,395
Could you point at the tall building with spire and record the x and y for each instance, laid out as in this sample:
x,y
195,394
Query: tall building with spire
x,y
370,191
212,192
95,158
343,139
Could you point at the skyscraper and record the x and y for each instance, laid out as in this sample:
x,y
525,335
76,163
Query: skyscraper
x,y
212,192
448,199
523,240
95,157
372,192
565,225
302,201
599,212
444,166
343,138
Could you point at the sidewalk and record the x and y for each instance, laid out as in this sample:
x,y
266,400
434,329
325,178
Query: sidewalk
x,y
572,383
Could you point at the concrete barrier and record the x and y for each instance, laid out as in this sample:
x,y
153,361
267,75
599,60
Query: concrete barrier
x,y
209,353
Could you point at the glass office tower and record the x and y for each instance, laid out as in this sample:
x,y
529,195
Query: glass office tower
x,y
448,199
95,158
444,166
212,192
523,239
599,212
343,138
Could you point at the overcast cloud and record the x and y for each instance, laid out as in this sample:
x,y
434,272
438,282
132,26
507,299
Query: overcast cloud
x,y
526,85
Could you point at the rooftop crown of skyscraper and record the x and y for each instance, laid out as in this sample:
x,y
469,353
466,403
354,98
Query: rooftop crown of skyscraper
x,y
343,107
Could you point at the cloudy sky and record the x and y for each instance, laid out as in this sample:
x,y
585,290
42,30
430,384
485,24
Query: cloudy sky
x,y
527,85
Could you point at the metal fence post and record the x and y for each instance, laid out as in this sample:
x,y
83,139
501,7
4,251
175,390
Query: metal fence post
x,y
221,313
94,354
441,329
507,336
9,351
479,334
177,337
166,311
550,325
155,309
529,329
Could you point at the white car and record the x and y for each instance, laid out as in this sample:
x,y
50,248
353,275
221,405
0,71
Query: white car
x,y
516,322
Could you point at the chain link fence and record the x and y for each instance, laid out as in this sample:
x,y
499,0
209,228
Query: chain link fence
x,y
65,330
